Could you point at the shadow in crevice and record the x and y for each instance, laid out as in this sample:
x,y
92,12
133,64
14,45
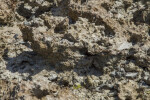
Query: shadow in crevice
x,y
28,13
32,63
27,62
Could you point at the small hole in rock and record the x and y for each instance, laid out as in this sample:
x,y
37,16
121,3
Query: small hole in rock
x,y
83,1
40,93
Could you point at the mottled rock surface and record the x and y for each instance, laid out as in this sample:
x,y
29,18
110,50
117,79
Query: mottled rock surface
x,y
75,50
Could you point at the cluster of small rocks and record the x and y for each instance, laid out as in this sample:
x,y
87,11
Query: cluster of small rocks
x,y
75,49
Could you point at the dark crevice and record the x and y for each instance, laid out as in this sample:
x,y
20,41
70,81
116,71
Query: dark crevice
x,y
106,6
83,1
24,12
144,68
84,51
40,93
93,18
40,11
109,32
71,21
58,29
130,58
27,13
141,16
135,38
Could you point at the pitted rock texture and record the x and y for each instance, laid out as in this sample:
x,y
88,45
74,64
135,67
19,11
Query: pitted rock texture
x,y
75,50
7,11
92,37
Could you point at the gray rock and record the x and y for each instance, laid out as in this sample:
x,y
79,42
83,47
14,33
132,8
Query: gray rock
x,y
106,86
131,75
113,73
147,80
111,94
52,77
143,85
131,67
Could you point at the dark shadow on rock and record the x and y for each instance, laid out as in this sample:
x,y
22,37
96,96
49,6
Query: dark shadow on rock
x,y
88,71
32,63
27,62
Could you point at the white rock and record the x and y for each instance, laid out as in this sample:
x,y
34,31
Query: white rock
x,y
125,45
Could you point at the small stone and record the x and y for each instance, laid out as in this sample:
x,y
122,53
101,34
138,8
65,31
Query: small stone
x,y
148,51
106,86
53,77
147,80
131,75
111,94
131,67
143,85
113,73
125,45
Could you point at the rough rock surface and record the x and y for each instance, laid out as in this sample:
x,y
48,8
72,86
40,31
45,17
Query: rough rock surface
x,y
75,49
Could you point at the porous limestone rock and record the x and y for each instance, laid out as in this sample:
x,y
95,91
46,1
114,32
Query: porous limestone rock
x,y
74,49
88,36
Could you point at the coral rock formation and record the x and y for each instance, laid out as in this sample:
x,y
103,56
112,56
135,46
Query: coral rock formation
x,y
75,49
